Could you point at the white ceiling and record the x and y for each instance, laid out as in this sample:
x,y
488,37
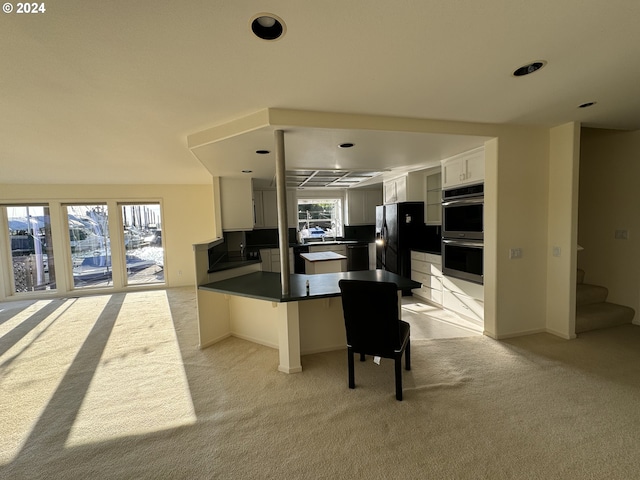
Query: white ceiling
x,y
107,92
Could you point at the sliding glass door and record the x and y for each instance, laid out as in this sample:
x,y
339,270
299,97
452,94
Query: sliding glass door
x,y
29,228
144,253
90,245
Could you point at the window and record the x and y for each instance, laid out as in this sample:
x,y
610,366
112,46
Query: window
x,y
90,245
31,248
319,218
103,250
144,256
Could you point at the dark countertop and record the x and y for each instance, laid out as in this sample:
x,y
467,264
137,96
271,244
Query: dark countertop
x,y
266,285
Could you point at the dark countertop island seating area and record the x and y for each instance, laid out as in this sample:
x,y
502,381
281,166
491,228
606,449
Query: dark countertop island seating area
x,y
248,303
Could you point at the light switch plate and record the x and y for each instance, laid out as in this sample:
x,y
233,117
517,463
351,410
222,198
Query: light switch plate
x,y
515,253
622,234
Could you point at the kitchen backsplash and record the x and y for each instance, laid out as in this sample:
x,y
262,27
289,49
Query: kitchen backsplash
x,y
361,233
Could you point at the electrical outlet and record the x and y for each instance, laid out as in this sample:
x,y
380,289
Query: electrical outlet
x,y
515,253
179,273
556,251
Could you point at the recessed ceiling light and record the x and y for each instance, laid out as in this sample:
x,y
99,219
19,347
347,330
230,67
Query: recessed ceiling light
x,y
263,152
346,145
587,105
267,26
529,68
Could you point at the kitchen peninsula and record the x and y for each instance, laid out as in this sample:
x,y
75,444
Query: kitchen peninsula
x,y
248,303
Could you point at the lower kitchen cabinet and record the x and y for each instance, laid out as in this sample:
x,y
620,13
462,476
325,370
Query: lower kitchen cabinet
x,y
271,260
464,298
459,296
426,268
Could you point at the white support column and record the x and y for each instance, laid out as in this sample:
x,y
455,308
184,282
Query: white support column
x,y
283,222
289,337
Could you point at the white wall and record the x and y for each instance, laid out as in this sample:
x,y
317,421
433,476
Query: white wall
x,y
187,215
609,201
518,199
563,229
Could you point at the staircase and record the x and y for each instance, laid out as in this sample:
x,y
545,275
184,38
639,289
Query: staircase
x,y
594,312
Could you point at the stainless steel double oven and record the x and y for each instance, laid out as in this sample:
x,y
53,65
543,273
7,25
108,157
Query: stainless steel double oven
x,y
463,232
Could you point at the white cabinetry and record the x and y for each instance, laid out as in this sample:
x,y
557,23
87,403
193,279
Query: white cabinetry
x,y
426,268
341,249
407,188
361,206
459,296
266,208
236,204
433,202
463,169
271,259
464,298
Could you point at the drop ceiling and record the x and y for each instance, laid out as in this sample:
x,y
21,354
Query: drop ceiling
x,y
98,93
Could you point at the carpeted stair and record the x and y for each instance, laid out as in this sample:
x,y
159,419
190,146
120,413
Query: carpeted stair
x,y
594,312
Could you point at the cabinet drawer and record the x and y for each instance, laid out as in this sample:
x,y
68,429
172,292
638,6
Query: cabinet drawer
x,y
433,296
427,280
433,258
419,277
418,256
463,287
464,305
420,266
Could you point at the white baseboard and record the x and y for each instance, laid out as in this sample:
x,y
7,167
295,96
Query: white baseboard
x,y
215,340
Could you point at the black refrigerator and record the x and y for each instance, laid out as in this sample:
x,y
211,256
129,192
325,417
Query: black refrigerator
x,y
399,227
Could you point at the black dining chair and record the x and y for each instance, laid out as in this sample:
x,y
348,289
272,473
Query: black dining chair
x,y
373,325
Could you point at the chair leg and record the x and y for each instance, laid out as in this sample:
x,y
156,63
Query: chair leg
x,y
398,364
352,382
407,356
362,357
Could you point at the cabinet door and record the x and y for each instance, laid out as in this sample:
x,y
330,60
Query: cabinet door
x,y
258,209
266,204
474,166
401,189
452,172
270,209
361,206
292,209
390,192
372,198
433,204
236,198
355,207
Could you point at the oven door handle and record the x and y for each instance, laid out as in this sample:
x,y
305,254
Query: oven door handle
x,y
463,243
464,201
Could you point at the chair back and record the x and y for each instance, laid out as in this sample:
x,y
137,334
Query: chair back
x,y
371,316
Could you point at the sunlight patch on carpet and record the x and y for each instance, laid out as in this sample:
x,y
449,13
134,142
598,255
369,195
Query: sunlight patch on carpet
x,y
140,385
38,350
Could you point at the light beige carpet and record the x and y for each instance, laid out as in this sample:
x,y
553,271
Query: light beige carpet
x,y
113,387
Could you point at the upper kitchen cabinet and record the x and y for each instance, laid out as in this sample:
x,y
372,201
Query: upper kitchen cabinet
x,y
361,206
266,208
433,201
407,188
236,205
463,169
